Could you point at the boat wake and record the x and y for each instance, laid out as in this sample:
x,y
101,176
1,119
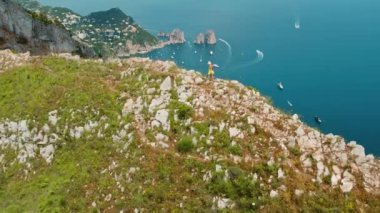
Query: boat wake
x,y
258,59
229,49
297,23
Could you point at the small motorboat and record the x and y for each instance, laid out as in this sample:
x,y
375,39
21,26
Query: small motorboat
x,y
211,52
280,86
318,120
297,26
290,104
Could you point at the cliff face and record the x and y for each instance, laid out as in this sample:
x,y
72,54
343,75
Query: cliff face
x,y
20,32
111,33
141,135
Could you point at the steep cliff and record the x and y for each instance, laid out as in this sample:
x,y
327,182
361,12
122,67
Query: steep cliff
x,y
110,33
138,135
21,32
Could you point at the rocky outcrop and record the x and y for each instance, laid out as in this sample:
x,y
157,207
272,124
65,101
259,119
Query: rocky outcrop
x,y
319,152
206,38
9,60
211,37
22,33
200,39
177,36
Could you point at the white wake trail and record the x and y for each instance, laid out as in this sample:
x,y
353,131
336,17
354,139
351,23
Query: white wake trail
x,y
229,49
258,59
228,45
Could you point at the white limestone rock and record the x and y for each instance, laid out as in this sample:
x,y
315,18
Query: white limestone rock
x,y
150,91
162,117
53,117
47,153
273,194
234,132
359,152
298,192
280,174
218,168
166,84
161,137
348,182
251,120
222,203
300,131
128,107
156,103
198,80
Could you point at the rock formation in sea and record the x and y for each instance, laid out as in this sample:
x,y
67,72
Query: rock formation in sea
x,y
206,38
200,39
211,37
24,31
177,36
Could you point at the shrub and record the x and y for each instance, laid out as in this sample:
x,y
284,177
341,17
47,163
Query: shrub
x,y
235,150
202,128
296,152
185,145
184,111
45,19
222,139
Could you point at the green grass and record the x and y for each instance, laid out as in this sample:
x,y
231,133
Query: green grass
x,y
33,91
185,145
88,169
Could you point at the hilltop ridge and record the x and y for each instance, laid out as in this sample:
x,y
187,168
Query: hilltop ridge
x,y
110,33
143,135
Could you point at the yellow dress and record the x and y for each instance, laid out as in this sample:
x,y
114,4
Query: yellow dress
x,y
211,70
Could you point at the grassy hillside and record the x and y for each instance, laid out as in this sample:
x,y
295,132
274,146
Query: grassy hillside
x,y
108,156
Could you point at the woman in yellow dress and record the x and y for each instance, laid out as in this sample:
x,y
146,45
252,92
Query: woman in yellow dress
x,y
211,73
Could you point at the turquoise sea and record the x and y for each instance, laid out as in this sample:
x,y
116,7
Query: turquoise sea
x,y
330,66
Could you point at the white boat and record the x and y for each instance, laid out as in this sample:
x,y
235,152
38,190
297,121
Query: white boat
x,y
211,52
297,25
290,104
215,65
318,120
280,86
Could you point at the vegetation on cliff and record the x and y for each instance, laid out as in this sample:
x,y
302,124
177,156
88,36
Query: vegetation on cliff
x,y
109,32
134,135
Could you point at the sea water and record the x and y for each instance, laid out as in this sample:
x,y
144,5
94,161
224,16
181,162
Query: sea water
x,y
326,53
